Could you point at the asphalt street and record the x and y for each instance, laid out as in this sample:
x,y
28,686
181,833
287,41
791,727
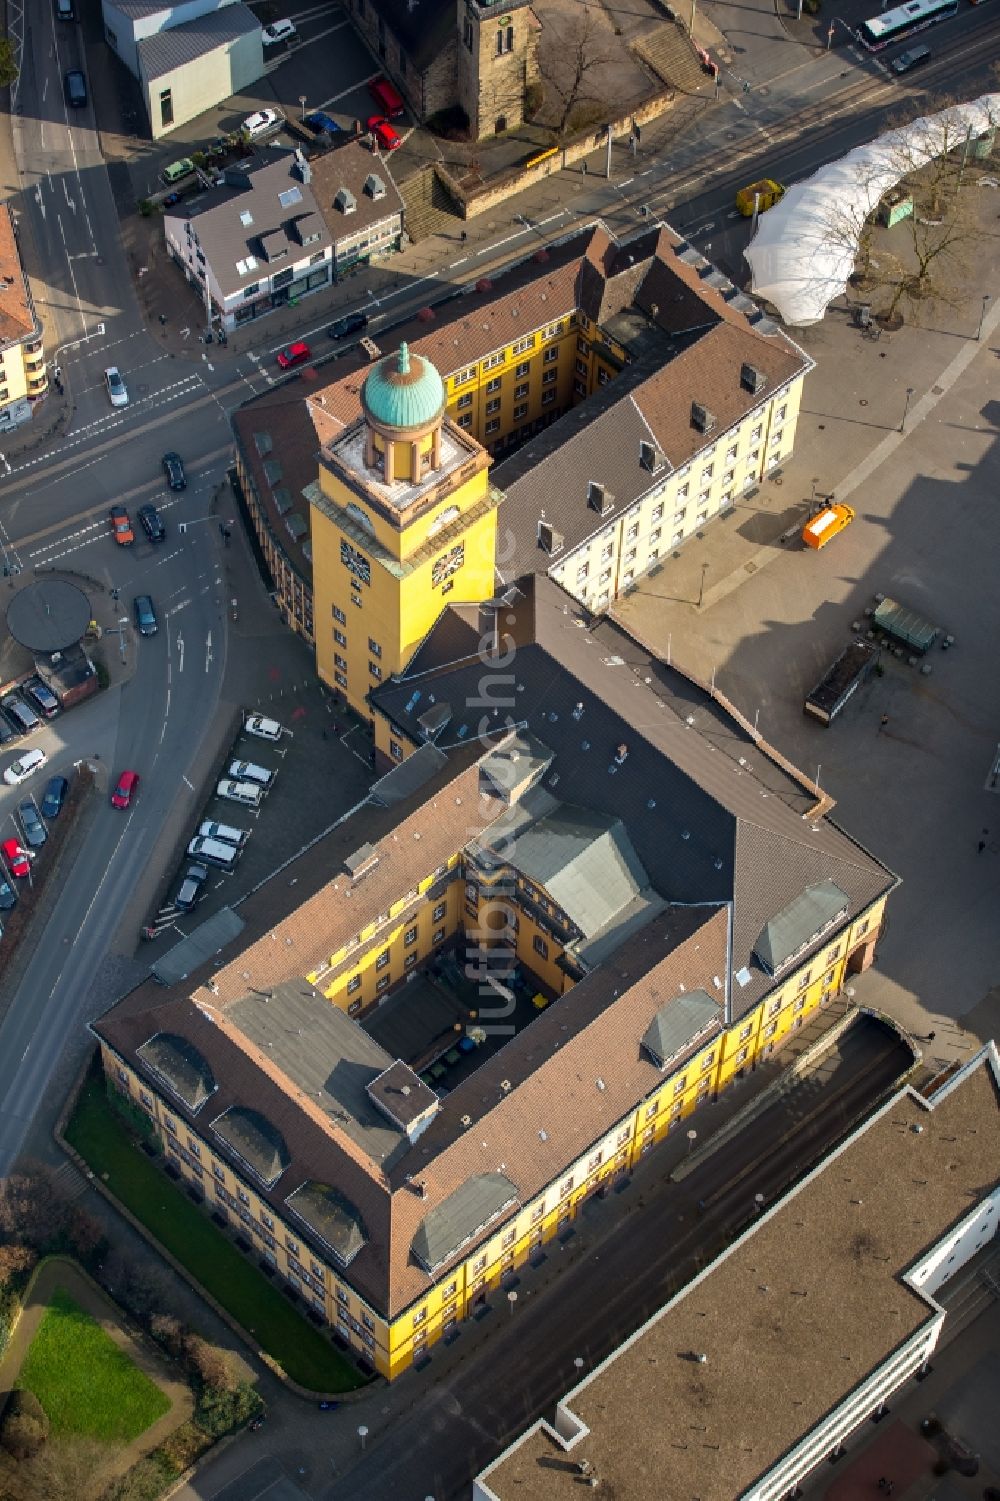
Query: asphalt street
x,y
53,508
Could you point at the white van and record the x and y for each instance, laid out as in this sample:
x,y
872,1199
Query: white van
x,y
223,832
214,852
278,34
239,792
247,771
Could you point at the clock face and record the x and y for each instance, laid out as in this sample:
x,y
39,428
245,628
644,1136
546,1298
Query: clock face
x,y
356,562
449,563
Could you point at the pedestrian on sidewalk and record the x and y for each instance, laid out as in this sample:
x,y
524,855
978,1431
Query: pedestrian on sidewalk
x,y
980,846
882,723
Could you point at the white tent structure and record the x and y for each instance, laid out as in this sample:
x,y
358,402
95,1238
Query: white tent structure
x,y
805,247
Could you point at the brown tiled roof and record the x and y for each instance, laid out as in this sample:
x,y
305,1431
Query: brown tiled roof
x,y
290,430
792,1319
349,166
17,316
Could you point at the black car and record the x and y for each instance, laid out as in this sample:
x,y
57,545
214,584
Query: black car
x,y
351,323
41,697
149,520
54,796
8,896
173,468
7,731
911,59
145,615
35,832
20,713
191,888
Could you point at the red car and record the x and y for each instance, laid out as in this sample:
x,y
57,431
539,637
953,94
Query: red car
x,y
383,132
295,354
128,786
121,526
17,859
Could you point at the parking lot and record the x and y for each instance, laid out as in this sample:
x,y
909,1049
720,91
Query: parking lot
x,y
326,68
321,768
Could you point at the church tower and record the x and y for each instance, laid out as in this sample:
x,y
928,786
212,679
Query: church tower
x,y
403,519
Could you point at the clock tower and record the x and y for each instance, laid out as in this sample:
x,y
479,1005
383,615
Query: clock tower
x,y
404,521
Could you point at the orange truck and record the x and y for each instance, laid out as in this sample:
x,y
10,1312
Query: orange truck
x,y
826,524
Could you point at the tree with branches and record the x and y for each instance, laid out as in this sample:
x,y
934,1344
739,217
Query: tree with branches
x,y
573,53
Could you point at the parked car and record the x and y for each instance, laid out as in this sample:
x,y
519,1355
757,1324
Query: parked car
x,y
173,468
320,123
117,389
151,523
121,526
41,697
145,615
124,793
911,58
383,132
19,771
294,354
192,888
264,729
17,860
35,832
177,171
20,713
54,796
244,793
765,194
387,97
279,34
8,896
262,123
351,323
7,731
248,771
224,833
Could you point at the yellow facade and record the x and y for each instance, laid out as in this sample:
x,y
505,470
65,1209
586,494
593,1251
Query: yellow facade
x,y
382,575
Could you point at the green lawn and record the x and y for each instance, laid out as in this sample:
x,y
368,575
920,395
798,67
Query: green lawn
x,y
99,1136
86,1384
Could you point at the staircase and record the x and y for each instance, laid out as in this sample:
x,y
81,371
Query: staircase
x,y
669,52
429,209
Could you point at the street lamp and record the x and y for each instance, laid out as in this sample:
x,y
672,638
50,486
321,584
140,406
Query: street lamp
x,y
906,408
758,1202
701,591
579,1362
982,315
302,105
362,1434
512,1300
692,1138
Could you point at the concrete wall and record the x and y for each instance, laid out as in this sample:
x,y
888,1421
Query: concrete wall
x,y
205,81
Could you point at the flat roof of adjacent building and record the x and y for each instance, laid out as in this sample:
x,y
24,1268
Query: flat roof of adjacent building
x,y
791,1319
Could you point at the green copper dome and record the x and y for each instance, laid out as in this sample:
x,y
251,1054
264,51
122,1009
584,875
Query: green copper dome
x,y
403,391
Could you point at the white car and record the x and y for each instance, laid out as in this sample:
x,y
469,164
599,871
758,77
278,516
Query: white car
x,y
264,729
117,391
261,123
19,771
278,32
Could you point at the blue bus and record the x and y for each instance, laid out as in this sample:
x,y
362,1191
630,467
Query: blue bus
x,y
896,24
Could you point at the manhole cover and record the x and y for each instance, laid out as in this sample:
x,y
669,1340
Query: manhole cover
x,y
751,568
937,390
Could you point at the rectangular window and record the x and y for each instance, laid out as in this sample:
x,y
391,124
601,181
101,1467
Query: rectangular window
x,y
505,40
755,435
776,439
464,402
410,936
374,647
550,356
410,961
581,367
166,108
438,935
439,911
495,383
682,492
803,980
656,514
338,614
652,1109
798,1005
493,360
465,420
548,397
374,671
521,391
419,1316
383,984
382,960
340,661
779,415
521,410
550,377
745,1032
540,946
707,1061
493,406
523,345
522,369
680,1084
464,375
353,984
340,638
493,426
770,1029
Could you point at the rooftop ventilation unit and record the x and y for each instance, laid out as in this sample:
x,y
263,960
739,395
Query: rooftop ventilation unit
x,y
346,201
598,498
752,379
702,418
549,539
650,457
374,186
363,859
246,217
303,171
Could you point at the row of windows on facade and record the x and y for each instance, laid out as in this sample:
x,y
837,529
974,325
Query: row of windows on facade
x,y
409,938
521,346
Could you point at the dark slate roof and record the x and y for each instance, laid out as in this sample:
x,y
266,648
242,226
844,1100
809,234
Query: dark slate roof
x,y
167,50
711,816
680,1023
460,1217
408,777
181,1067
254,1140
251,192
324,1054
332,1217
426,29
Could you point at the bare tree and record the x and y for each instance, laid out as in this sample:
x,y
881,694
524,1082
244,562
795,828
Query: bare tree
x,y
64,1470
33,1206
213,1367
15,1259
573,51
